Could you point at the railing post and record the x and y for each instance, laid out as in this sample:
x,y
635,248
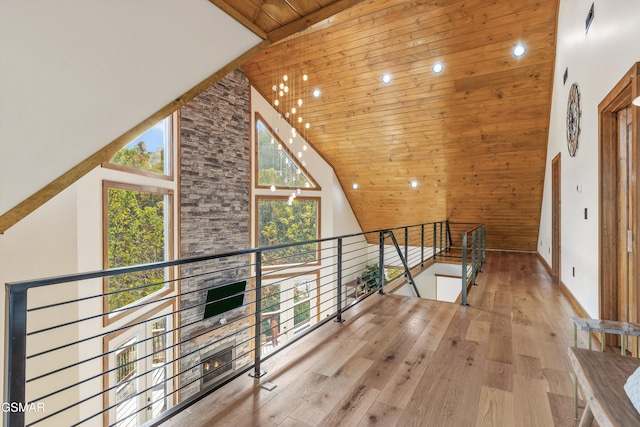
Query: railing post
x,y
435,239
16,363
381,264
448,237
481,248
407,270
257,372
422,245
339,319
474,259
464,268
406,245
484,243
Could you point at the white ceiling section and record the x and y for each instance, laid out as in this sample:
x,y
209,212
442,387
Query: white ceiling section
x,y
77,74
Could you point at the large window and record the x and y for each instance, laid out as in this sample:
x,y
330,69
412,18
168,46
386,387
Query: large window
x,y
289,306
139,376
282,222
137,231
150,153
276,164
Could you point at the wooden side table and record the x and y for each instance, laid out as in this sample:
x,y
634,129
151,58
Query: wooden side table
x,y
603,327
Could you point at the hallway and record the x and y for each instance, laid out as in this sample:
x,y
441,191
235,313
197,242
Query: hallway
x,y
403,361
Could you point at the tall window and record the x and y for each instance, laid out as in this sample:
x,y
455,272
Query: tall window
x,y
281,222
150,153
276,164
137,231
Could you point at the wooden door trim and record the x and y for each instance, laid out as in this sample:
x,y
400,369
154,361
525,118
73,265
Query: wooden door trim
x,y
556,190
627,89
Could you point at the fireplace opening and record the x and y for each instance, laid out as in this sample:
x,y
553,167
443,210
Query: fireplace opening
x,y
217,365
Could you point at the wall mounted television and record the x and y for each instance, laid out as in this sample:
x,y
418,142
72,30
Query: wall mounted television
x,y
224,298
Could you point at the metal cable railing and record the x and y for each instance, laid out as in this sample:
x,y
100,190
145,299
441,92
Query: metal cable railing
x,y
83,352
473,238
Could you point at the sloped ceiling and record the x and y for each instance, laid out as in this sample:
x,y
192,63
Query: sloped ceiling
x,y
75,76
474,137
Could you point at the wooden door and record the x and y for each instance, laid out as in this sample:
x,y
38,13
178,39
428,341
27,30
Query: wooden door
x,y
555,217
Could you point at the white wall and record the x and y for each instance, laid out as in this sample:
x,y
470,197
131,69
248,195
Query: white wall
x,y
596,60
44,244
64,236
76,74
344,220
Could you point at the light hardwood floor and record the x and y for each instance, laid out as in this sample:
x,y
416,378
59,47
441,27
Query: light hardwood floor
x,y
501,361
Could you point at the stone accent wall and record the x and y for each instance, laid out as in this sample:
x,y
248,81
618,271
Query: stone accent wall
x,y
214,197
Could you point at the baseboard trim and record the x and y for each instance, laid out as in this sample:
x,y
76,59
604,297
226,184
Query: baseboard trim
x,y
580,311
510,250
573,301
544,262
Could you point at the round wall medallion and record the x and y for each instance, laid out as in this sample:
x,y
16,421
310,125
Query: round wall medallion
x,y
573,119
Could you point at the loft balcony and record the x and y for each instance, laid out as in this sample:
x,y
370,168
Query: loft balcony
x,y
403,361
275,336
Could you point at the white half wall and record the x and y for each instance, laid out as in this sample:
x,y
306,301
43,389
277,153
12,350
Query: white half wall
x,y
76,74
596,60
441,282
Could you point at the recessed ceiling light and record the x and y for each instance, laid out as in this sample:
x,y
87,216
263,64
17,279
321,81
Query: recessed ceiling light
x,y
355,186
386,79
316,93
414,184
437,67
519,50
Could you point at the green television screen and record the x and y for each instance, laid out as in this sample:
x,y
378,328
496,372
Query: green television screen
x,y
224,298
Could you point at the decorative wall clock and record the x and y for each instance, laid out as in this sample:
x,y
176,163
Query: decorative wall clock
x,y
573,119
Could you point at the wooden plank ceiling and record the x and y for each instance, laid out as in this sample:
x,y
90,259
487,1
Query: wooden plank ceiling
x,y
474,137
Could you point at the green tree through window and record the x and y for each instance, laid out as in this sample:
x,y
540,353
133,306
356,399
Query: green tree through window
x,y
148,152
280,223
136,235
302,308
276,165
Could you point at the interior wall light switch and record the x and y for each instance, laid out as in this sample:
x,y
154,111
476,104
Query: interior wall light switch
x,y
585,213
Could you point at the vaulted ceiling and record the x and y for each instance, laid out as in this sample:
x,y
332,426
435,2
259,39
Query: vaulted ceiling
x,y
474,136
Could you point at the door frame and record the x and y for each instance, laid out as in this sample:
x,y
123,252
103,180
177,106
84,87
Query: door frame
x,y
556,223
627,89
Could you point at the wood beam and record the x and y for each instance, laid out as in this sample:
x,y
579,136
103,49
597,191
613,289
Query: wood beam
x,y
240,18
310,19
30,204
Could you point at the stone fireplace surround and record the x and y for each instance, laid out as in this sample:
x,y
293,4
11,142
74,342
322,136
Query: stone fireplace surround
x,y
214,216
